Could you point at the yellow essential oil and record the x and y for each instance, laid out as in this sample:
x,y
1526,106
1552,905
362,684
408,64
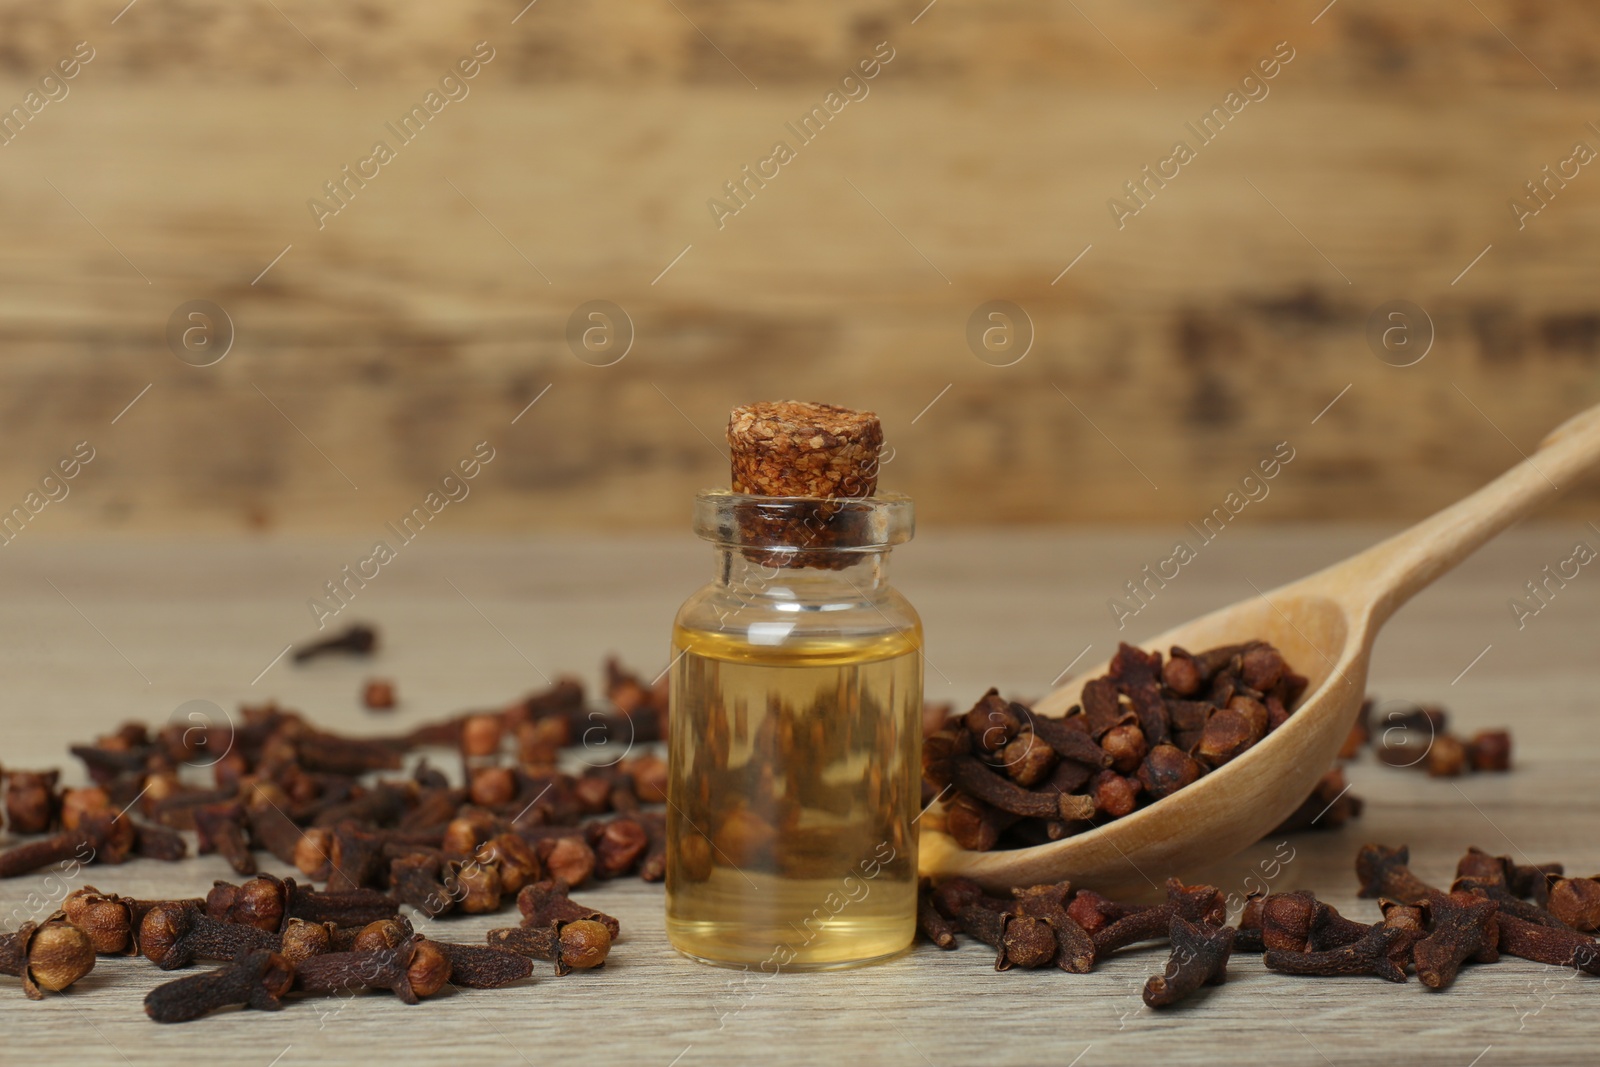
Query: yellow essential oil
x,y
794,792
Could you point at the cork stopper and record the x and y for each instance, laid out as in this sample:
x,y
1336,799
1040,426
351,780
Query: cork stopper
x,y
822,453
790,448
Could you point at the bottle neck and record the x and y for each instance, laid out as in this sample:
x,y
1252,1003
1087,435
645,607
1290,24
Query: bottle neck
x,y
848,577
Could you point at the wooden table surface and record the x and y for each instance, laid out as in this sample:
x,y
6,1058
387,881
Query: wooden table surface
x,y
98,631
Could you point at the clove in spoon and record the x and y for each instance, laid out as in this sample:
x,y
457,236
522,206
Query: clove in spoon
x,y
1324,625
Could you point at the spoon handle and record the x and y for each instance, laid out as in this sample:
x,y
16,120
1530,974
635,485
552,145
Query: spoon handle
x,y
1390,573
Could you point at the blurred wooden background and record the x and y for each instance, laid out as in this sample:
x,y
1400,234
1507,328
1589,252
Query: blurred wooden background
x,y
430,311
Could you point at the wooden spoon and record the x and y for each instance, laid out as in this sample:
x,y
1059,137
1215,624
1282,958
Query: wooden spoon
x,y
1324,625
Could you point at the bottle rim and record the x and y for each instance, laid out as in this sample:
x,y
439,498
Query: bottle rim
x,y
804,525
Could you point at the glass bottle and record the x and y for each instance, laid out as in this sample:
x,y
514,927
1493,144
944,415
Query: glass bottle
x,y
795,738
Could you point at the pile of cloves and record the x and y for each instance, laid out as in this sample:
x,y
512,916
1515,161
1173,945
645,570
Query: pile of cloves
x,y
1145,730
1148,728
1419,736
386,954
322,801
1495,907
278,937
516,830
1051,924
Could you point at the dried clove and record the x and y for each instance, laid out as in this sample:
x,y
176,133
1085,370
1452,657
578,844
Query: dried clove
x,y
220,828
106,919
383,934
1126,747
1181,674
1261,667
1114,794
474,886
1481,867
302,939
1199,903
1092,911
977,780
992,722
952,895
267,901
1231,730
412,971
1464,926
1510,904
311,853
1533,882
378,695
80,805
1447,757
1028,942
483,967
1028,760
1576,902
1299,922
473,827
46,956
1298,934
1385,872
256,980
359,640
1102,711
1166,770
369,808
547,903
975,825
1547,944
581,944
1199,957
418,880
175,935
158,843
569,858
258,903
493,787
76,845
355,859
33,801
1412,922
1490,750
1020,940
270,826
1068,739
649,773
482,736
1372,953
327,753
1429,718
1074,948
618,847
933,925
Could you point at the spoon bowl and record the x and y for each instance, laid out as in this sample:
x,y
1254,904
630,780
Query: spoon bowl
x,y
1324,625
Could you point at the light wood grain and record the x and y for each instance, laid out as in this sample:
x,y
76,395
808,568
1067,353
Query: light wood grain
x,y
1192,340
202,619
1029,41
